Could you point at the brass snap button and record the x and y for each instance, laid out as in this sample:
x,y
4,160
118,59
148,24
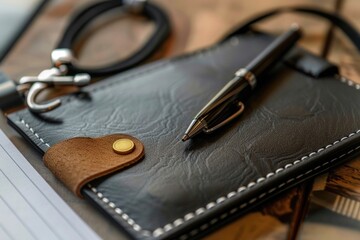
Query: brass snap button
x,y
123,146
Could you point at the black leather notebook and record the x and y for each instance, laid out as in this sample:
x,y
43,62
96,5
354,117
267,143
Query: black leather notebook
x,y
303,120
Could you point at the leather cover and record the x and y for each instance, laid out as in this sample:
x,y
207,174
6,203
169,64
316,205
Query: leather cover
x,y
294,127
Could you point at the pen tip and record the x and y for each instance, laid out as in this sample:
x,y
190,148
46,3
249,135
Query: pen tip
x,y
185,138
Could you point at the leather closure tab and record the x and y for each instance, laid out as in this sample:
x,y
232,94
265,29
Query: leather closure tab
x,y
77,161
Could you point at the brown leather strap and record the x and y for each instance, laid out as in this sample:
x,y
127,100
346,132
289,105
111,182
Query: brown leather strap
x,y
80,160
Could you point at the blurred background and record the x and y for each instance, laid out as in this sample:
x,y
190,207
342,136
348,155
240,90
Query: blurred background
x,y
196,24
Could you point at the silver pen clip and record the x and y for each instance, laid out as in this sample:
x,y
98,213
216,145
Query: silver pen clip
x,y
227,120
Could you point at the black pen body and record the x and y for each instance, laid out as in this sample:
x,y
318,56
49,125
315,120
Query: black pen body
x,y
274,52
242,84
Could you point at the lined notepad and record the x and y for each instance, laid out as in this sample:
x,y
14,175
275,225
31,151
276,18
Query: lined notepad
x,y
29,208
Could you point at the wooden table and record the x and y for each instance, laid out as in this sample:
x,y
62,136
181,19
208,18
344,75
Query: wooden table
x,y
197,24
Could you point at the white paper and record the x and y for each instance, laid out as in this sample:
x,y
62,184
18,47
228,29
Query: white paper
x,y
29,208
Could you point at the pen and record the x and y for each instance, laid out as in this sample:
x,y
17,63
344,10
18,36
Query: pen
x,y
210,116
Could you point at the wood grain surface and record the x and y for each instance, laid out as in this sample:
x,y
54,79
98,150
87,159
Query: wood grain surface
x,y
196,24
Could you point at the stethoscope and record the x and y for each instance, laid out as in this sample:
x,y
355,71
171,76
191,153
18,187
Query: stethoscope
x,y
66,71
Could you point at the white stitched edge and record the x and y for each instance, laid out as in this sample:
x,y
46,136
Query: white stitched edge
x,y
213,221
161,230
349,82
120,212
34,133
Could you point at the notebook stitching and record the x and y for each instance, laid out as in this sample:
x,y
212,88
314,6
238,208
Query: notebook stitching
x,y
232,211
33,132
161,230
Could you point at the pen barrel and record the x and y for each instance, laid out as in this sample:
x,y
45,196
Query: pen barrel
x,y
275,51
